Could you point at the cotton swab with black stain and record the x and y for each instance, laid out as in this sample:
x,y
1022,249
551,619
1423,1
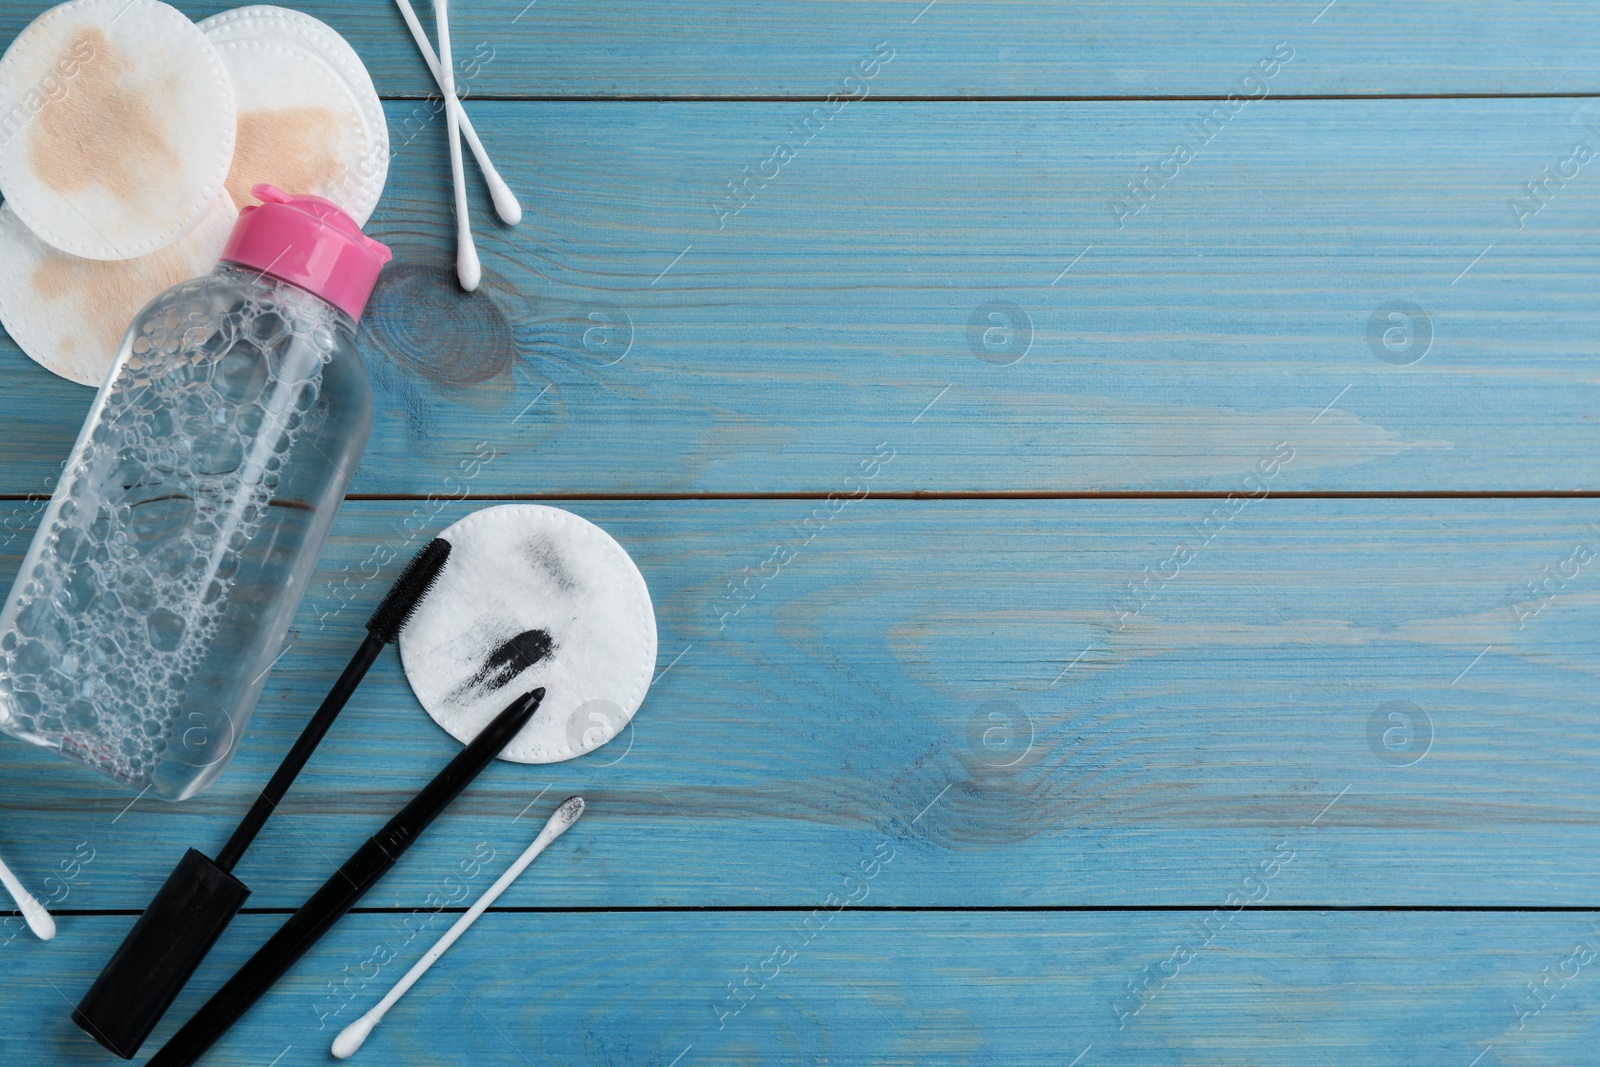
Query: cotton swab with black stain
x,y
200,897
468,270
351,1037
39,920
505,201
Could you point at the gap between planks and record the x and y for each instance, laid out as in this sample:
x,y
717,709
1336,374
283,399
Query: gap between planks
x,y
1045,494
945,98
641,909
991,494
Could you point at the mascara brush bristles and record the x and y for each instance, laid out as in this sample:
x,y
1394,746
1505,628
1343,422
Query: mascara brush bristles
x,y
396,609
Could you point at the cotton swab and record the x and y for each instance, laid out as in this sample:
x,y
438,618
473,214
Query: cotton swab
x,y
352,1036
468,271
39,920
505,201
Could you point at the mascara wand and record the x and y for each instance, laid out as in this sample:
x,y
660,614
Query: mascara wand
x,y
383,627
200,897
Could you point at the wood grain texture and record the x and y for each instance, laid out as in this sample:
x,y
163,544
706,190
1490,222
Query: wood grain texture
x,y
1111,744
1303,990
959,678
624,344
722,48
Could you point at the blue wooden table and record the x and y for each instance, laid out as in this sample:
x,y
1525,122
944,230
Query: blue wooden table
x,y
1117,481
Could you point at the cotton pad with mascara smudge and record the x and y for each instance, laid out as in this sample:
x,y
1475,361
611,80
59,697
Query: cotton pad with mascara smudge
x,y
310,119
116,127
533,596
69,314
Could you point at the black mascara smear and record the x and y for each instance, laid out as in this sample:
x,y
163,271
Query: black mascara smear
x,y
514,657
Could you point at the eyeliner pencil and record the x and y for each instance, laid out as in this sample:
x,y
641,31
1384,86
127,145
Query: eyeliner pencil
x,y
339,894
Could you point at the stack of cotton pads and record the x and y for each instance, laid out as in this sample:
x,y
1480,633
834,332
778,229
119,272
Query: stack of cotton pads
x,y
129,139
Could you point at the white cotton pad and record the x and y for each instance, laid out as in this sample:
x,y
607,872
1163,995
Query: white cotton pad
x,y
116,127
533,596
310,120
69,314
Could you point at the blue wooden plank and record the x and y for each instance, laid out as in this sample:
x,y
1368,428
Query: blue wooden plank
x,y
725,48
977,682
1298,989
623,343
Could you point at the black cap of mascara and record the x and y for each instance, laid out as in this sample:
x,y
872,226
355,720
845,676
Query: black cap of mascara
x,y
143,977
200,897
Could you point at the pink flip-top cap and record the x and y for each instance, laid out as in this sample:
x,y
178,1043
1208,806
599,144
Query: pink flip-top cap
x,y
310,242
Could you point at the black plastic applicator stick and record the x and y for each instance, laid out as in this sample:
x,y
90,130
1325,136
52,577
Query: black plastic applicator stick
x,y
384,626
200,898
339,894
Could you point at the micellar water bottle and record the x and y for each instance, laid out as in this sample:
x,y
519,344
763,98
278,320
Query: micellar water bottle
x,y
165,572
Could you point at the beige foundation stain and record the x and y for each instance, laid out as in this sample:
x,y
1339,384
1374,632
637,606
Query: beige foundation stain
x,y
105,295
294,148
100,132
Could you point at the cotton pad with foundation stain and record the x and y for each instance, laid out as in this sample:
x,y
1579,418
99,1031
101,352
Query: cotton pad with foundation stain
x,y
116,127
534,597
69,314
309,116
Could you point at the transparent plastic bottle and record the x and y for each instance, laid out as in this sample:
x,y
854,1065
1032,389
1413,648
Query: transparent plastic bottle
x,y
165,571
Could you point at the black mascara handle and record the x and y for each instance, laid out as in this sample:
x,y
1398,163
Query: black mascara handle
x,y
384,626
304,746
340,893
